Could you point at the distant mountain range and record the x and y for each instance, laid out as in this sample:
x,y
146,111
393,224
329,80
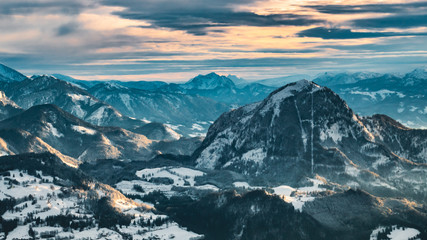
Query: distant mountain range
x,y
296,162
402,97
205,97
160,106
397,95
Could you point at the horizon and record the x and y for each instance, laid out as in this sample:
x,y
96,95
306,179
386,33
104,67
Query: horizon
x,y
225,74
174,41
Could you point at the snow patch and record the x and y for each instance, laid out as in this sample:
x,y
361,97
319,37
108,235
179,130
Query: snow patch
x,y
197,127
382,94
83,130
333,132
53,130
397,233
255,155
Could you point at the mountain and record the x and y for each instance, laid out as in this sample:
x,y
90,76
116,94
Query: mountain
x,y
330,79
208,82
198,101
49,90
416,77
238,81
76,138
400,96
280,81
166,107
8,74
221,89
79,83
86,84
303,130
18,141
8,107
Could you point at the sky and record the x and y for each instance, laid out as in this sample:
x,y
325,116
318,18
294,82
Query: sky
x,y
174,40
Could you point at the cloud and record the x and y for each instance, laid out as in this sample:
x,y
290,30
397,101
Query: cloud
x,y
400,15
396,21
25,7
198,16
338,33
66,29
369,8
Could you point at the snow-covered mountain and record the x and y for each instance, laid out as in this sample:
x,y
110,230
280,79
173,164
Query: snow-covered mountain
x,y
303,129
165,107
335,78
86,84
8,74
416,77
208,82
49,90
402,97
202,99
76,138
221,89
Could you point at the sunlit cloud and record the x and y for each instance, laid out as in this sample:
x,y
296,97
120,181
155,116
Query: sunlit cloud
x,y
174,40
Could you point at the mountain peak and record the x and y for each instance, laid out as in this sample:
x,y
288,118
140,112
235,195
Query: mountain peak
x,y
209,81
113,85
292,89
212,74
9,75
418,73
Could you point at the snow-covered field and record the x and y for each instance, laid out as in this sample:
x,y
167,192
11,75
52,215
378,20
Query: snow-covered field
x,y
396,233
165,180
299,196
38,197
